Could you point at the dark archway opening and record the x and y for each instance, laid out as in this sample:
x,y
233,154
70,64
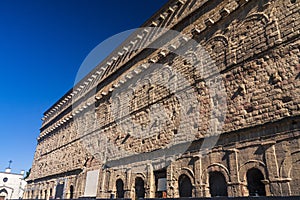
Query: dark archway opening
x,y
185,186
120,188
254,182
45,194
139,188
217,184
71,192
50,194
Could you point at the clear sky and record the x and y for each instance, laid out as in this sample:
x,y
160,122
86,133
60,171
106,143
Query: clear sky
x,y
42,45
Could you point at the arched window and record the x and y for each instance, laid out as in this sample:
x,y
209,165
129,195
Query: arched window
x,y
71,191
45,193
139,188
185,186
217,184
120,188
254,182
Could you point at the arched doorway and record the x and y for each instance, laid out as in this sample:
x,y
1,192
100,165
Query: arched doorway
x,y
3,194
254,182
120,188
185,186
217,184
71,192
139,188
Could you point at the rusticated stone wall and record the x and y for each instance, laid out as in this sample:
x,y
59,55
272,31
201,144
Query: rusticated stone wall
x,y
256,48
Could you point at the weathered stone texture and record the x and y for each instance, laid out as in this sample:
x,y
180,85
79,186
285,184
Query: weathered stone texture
x,y
255,47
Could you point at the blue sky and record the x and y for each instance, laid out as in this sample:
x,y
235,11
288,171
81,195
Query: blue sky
x,y
42,45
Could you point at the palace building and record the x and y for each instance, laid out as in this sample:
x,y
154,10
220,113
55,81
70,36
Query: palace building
x,y
202,100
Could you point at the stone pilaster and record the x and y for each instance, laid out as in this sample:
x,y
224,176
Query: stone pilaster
x,y
150,189
234,186
272,186
198,171
127,186
170,181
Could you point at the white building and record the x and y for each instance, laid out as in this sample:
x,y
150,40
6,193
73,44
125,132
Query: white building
x,y
12,185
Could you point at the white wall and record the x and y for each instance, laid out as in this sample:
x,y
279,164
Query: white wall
x,y
15,185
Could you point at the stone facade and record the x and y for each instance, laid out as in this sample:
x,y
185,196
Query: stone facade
x,y
256,50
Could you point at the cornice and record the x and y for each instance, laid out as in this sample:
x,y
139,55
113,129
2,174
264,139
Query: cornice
x,y
121,56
